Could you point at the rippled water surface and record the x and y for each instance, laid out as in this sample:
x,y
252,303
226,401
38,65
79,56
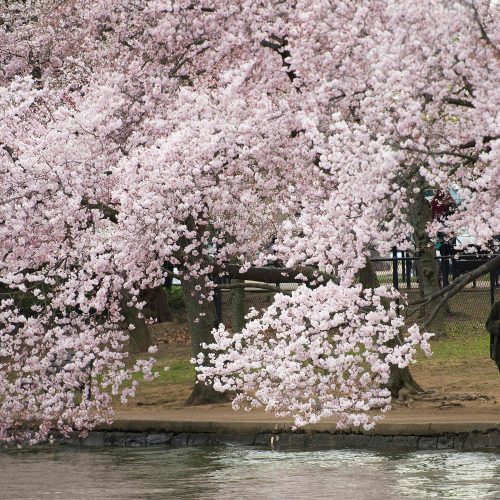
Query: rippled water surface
x,y
239,473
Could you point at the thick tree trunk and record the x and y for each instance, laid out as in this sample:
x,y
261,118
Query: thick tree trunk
x,y
202,320
237,308
141,337
399,377
157,304
427,270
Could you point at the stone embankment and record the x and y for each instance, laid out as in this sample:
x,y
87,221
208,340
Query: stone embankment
x,y
440,435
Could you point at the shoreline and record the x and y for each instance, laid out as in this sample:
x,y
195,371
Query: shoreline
x,y
441,435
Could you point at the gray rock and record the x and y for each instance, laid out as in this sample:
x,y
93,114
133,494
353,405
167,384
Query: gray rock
x,y
459,441
157,439
235,439
494,439
380,441
477,441
445,442
405,441
179,439
427,443
95,438
292,440
125,439
356,440
199,439
320,440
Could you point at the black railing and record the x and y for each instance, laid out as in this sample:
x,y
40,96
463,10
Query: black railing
x,y
400,271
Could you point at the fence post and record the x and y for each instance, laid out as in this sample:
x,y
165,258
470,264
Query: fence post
x,y
403,266
395,276
408,270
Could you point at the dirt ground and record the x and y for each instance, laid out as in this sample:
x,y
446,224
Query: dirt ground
x,y
458,390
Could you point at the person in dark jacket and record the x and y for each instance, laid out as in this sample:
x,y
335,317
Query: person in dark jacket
x,y
493,326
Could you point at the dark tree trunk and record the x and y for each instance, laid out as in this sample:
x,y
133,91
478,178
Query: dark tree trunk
x,y
201,320
427,270
141,337
157,304
238,308
399,378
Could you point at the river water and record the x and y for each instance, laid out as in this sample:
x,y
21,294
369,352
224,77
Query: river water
x,y
243,473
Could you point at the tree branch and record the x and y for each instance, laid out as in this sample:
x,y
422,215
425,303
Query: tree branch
x,y
276,274
464,156
484,35
171,273
108,212
278,45
459,102
10,152
263,286
466,278
453,288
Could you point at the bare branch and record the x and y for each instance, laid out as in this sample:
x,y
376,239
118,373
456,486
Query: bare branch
x,y
276,274
262,286
446,293
171,273
459,102
455,286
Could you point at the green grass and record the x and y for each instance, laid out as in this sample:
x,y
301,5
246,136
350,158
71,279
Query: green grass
x,y
180,371
465,340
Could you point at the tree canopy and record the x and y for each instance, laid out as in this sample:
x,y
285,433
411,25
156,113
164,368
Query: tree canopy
x,y
135,133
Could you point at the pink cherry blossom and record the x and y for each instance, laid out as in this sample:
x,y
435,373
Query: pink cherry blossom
x,y
196,133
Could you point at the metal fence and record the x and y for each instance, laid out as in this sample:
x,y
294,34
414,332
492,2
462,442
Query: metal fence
x,y
471,304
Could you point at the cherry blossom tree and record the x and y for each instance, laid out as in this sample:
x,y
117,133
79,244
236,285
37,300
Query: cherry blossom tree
x,y
405,95
135,134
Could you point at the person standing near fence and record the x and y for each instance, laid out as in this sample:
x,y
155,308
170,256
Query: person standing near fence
x,y
443,205
493,326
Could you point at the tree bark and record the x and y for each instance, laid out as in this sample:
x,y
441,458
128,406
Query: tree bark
x,y
141,337
238,308
427,270
157,304
276,274
202,320
399,378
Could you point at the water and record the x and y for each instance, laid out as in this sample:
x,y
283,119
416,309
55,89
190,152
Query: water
x,y
243,473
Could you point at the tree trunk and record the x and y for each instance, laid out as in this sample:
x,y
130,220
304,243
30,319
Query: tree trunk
x,y
157,303
202,320
238,308
399,378
427,270
140,338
